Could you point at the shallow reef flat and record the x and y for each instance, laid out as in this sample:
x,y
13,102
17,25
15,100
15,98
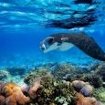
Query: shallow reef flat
x,y
53,84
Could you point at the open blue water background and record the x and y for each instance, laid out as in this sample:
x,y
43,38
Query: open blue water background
x,y
22,27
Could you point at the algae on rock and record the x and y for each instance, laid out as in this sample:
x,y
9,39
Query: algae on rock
x,y
100,94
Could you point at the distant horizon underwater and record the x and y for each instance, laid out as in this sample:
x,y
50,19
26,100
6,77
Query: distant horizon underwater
x,y
28,76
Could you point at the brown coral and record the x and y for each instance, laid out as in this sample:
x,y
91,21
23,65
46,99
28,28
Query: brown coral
x,y
1,86
2,100
14,95
81,100
34,88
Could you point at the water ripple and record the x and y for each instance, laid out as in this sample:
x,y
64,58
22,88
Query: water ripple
x,y
43,12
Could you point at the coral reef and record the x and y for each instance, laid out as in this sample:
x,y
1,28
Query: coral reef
x,y
83,87
78,85
81,100
14,95
34,88
94,79
3,74
59,71
25,88
100,94
33,75
56,84
100,70
2,100
65,71
87,90
1,86
96,76
53,91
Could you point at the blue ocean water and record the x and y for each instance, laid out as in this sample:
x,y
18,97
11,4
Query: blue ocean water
x,y
23,27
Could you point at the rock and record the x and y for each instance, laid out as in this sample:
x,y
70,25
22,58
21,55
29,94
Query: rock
x,y
87,90
78,85
4,74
